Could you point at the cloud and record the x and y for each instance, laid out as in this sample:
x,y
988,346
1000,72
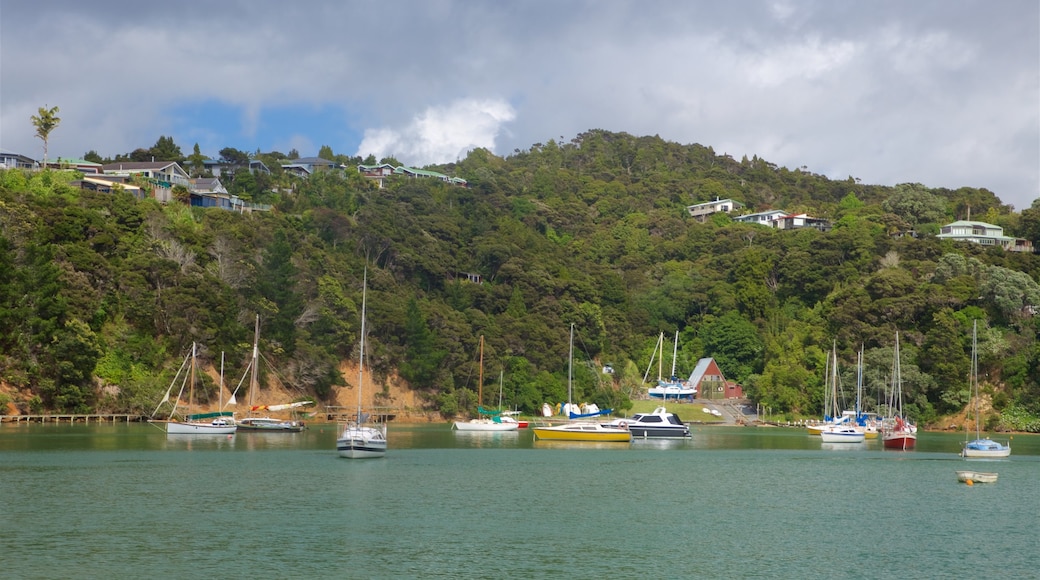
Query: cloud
x,y
440,134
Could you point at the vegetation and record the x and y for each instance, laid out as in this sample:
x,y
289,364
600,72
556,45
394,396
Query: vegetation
x,y
101,294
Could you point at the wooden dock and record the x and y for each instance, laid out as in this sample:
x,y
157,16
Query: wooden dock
x,y
72,418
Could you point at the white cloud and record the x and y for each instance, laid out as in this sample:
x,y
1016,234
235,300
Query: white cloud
x,y
441,134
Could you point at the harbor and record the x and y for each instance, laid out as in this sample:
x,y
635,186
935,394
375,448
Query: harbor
x,y
729,502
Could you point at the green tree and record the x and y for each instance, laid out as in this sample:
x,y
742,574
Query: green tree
x,y
45,122
166,150
197,161
422,359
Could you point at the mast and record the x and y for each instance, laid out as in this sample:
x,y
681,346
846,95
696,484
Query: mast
x,y
660,354
480,383
675,351
361,355
191,382
220,388
254,384
975,373
570,371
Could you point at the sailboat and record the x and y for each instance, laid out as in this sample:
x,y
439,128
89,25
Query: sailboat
x,y
218,423
833,419
896,432
580,430
980,447
359,438
841,430
257,423
488,420
673,387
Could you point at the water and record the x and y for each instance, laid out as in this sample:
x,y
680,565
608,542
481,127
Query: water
x,y
123,500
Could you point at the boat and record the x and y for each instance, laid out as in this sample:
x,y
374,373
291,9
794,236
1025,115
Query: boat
x,y
831,417
579,430
842,434
981,447
256,423
660,424
487,420
972,477
360,438
896,431
217,423
674,387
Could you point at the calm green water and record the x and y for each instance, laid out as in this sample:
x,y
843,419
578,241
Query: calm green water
x,y
126,501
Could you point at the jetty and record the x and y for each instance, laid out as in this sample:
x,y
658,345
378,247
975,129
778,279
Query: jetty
x,y
72,418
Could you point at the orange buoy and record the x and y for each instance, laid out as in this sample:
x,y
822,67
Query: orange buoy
x,y
970,482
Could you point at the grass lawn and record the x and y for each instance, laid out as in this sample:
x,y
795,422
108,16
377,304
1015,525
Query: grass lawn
x,y
685,411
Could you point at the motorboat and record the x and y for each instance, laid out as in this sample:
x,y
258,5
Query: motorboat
x,y
269,424
657,425
582,431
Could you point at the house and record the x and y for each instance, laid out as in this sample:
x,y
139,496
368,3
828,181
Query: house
x,y
381,172
162,174
418,173
82,165
710,383
12,160
108,184
801,220
983,234
764,218
305,166
701,211
218,167
377,172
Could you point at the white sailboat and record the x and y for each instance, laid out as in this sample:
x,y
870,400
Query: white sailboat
x,y
674,387
253,422
359,438
981,447
194,424
487,420
580,430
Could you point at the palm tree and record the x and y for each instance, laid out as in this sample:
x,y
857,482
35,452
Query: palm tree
x,y
45,123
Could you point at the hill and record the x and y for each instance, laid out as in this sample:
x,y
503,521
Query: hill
x,y
105,291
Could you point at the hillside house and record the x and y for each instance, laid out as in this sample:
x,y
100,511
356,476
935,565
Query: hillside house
x,y
162,174
762,218
983,234
12,160
219,167
796,221
701,211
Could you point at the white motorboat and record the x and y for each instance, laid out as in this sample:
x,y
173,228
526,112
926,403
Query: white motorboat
x,y
657,425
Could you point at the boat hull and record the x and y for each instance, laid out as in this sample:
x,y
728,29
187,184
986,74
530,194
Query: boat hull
x,y
269,425
574,432
842,437
191,428
976,477
985,449
646,432
901,441
484,426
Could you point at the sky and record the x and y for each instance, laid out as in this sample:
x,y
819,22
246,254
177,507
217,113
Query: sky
x,y
945,93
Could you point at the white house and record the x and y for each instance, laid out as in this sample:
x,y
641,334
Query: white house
x,y
701,211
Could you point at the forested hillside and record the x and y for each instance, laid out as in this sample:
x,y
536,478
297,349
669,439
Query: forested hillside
x,y
102,294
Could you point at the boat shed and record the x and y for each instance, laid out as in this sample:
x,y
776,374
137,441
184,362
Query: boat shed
x,y
710,383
